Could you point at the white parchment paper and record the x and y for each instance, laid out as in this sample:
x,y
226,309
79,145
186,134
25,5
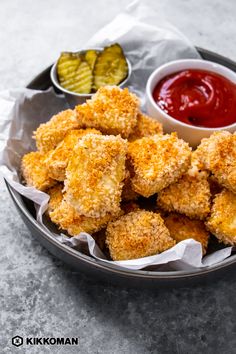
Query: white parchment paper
x,y
147,43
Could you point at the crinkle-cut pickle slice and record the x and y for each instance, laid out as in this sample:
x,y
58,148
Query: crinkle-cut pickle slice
x,y
90,57
82,79
67,64
74,74
110,67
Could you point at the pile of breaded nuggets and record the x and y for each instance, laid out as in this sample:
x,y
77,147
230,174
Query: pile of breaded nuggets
x,y
97,160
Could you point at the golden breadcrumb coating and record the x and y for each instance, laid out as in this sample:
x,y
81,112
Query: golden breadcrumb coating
x,y
189,195
56,196
137,234
222,221
146,126
156,162
58,158
35,172
95,174
181,228
50,134
67,218
127,191
200,157
111,110
218,155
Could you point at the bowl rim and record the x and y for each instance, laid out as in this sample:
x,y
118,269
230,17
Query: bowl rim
x,y
138,273
53,75
166,115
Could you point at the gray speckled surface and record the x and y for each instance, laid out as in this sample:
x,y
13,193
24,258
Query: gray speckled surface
x,y
41,296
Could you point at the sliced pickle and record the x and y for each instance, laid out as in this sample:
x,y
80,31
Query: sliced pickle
x,y
111,67
90,57
83,73
82,79
67,65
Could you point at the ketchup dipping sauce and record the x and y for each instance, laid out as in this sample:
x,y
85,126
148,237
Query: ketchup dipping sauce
x,y
197,97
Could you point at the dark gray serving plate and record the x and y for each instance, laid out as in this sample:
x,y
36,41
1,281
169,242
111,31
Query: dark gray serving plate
x,y
111,273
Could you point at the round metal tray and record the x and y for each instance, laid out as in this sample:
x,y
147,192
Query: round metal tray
x,y
98,269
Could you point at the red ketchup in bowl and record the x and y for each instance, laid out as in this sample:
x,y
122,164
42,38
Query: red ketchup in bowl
x,y
197,97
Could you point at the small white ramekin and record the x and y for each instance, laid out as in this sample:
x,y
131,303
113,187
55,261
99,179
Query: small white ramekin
x,y
73,98
189,133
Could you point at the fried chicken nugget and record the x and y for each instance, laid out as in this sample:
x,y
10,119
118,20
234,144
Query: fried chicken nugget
x,y
190,195
146,126
58,158
218,155
95,174
111,110
35,172
137,234
222,221
67,218
156,162
50,134
181,228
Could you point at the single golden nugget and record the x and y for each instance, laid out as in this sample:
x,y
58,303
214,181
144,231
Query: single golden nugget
x,y
156,162
111,110
222,221
182,228
50,134
217,154
35,172
138,234
190,195
67,218
95,174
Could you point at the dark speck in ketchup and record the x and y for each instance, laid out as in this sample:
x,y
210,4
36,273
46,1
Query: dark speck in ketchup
x,y
197,97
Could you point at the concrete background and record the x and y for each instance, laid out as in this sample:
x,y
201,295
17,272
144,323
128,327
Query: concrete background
x,y
39,295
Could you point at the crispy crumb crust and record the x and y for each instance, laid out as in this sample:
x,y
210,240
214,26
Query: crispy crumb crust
x,y
222,221
50,134
182,228
111,110
95,174
137,234
56,197
189,195
156,162
146,126
34,171
218,155
58,158
68,219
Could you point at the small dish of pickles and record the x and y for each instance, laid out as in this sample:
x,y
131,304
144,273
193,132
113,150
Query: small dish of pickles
x,y
78,75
